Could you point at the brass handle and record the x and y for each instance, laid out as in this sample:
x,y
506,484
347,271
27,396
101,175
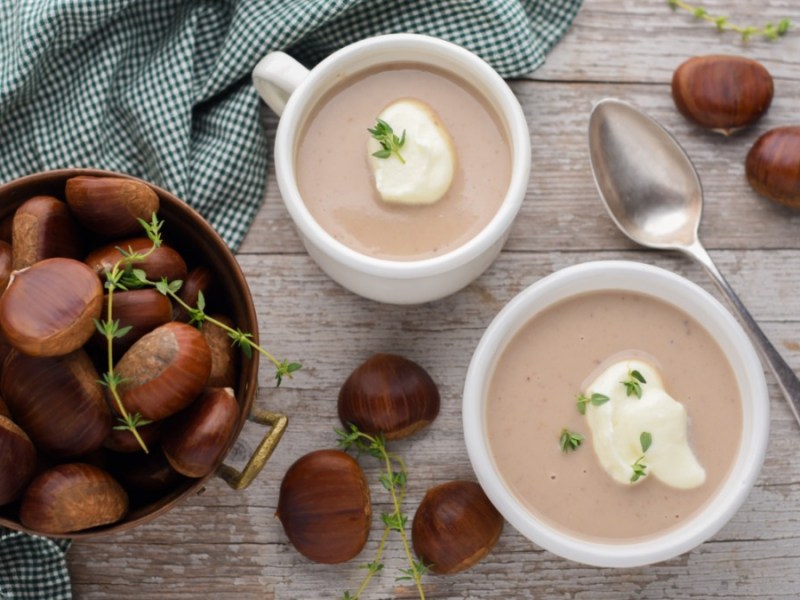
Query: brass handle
x,y
239,481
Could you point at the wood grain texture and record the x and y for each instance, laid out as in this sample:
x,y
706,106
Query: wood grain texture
x,y
224,544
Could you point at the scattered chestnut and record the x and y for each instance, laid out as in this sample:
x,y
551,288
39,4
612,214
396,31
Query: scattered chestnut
x,y
389,394
199,435
141,310
49,308
455,526
224,356
161,262
324,506
6,265
164,371
72,497
773,165
721,92
57,401
111,206
17,460
43,228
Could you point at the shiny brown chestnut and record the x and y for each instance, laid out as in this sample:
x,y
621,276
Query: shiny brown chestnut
x,y
57,401
455,526
110,206
4,409
43,228
141,310
72,497
6,265
722,92
199,435
773,165
17,460
224,356
389,394
324,506
163,262
197,280
164,371
49,308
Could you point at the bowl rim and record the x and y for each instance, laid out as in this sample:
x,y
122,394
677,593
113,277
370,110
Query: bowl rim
x,y
247,383
497,92
729,335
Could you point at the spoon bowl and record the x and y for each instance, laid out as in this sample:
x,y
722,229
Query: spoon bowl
x,y
653,193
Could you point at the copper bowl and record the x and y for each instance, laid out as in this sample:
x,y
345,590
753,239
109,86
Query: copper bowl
x,y
186,231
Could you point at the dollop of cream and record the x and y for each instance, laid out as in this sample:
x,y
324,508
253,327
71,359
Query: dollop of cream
x,y
617,426
430,158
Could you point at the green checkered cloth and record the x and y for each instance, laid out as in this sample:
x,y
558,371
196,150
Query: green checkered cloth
x,y
32,567
161,89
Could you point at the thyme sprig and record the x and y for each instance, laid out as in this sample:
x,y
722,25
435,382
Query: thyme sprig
x,y
393,479
570,440
595,400
770,31
639,467
390,143
633,384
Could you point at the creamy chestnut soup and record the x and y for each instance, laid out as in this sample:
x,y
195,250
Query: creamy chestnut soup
x,y
337,185
532,397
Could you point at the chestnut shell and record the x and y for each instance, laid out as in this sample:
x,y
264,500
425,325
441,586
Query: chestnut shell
x,y
42,228
773,165
141,310
389,394
164,371
455,526
324,506
72,497
722,92
110,206
49,308
17,460
161,262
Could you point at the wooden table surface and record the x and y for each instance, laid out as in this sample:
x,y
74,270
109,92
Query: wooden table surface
x,y
226,544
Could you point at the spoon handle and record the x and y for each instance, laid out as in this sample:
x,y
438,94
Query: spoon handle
x,y
787,380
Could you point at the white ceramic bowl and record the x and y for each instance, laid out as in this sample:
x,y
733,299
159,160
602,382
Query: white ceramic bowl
x,y
668,287
292,91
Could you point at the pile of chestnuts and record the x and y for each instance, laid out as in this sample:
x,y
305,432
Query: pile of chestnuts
x,y
727,93
66,465
325,506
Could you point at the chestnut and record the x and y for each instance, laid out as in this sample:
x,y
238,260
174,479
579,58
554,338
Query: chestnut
x,y
199,435
6,265
72,497
43,228
324,506
721,92
773,165
162,262
164,371
455,526
141,310
224,356
111,206
145,475
197,280
388,394
49,308
58,401
17,460
4,409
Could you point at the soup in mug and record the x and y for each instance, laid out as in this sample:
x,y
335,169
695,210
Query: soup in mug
x,y
337,184
532,398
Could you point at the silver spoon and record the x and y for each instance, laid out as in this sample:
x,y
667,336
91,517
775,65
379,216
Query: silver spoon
x,y
653,194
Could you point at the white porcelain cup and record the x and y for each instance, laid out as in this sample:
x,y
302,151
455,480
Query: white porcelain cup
x,y
292,92
691,299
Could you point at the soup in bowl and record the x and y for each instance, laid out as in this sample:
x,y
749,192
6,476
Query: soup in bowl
x,y
616,414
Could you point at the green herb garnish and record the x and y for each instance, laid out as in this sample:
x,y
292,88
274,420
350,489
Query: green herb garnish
x,y
390,143
769,31
633,385
570,440
595,399
639,468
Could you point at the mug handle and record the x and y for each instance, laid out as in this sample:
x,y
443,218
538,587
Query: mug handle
x,y
275,77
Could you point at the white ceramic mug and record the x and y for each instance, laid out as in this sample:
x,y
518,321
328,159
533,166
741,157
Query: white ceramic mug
x,y
292,91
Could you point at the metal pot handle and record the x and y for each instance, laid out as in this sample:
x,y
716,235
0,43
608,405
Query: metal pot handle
x,y
240,480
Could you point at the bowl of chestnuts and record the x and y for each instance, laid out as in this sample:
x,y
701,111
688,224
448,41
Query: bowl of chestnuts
x,y
128,354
